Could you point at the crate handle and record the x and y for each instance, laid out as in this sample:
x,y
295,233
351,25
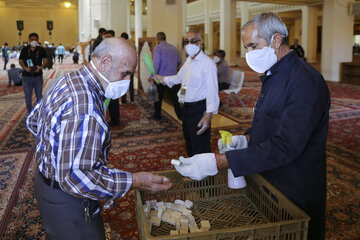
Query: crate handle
x,y
271,194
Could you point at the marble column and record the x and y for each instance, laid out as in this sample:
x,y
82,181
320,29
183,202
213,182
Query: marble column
x,y
244,7
208,38
309,32
119,16
228,29
138,21
337,38
100,16
84,20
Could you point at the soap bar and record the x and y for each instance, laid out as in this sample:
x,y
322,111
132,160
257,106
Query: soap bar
x,y
175,162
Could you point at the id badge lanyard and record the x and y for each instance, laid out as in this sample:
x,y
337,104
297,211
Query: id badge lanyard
x,y
184,87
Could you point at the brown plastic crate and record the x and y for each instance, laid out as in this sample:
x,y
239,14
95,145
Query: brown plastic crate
x,y
257,212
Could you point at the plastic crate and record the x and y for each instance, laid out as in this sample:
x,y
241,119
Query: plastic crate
x,y
257,212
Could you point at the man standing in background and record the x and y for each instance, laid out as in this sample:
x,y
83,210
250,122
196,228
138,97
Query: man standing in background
x,y
114,105
5,54
61,53
198,95
124,35
32,59
223,70
166,63
99,38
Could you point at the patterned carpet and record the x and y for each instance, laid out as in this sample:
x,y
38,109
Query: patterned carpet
x,y
140,144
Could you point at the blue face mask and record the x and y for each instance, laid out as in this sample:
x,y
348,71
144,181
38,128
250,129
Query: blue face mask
x,y
116,89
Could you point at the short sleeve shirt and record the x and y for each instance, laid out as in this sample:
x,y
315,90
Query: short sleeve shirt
x,y
32,59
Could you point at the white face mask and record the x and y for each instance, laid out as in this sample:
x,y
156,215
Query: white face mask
x,y
216,59
116,89
261,60
34,43
192,49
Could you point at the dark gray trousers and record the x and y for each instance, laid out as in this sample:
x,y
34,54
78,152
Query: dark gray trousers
x,y
63,215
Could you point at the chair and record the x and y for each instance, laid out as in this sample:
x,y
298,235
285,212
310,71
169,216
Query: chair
x,y
235,87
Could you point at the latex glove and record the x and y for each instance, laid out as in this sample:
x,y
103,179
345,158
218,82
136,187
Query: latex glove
x,y
161,79
149,182
198,166
237,142
204,123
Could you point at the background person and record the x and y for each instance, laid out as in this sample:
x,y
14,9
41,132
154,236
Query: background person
x,y
5,54
166,62
124,35
32,59
223,70
198,95
98,39
61,53
298,49
15,75
73,143
114,106
287,140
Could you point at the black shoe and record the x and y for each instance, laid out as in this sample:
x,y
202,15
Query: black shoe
x,y
113,124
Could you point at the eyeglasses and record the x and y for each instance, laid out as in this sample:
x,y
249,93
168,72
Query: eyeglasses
x,y
192,41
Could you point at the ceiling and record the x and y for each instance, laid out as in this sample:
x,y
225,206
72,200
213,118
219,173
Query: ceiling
x,y
37,3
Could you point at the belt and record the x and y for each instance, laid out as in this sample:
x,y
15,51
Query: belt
x,y
190,104
48,182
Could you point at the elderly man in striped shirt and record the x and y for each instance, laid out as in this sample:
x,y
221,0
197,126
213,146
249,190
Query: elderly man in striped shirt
x,y
73,144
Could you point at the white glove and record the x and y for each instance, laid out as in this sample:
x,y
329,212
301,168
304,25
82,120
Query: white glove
x,y
198,166
237,142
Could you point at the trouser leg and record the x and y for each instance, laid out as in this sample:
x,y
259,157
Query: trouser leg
x,y
38,83
28,88
173,92
185,129
157,105
197,143
114,111
63,216
131,88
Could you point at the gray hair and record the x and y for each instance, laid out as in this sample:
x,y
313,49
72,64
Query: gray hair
x,y
268,24
197,33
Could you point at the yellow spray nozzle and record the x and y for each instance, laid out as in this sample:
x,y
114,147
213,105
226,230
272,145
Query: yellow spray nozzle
x,y
225,137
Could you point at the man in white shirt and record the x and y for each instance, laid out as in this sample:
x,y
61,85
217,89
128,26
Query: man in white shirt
x,y
198,95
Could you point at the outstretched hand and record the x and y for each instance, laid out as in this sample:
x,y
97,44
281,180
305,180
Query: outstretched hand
x,y
150,183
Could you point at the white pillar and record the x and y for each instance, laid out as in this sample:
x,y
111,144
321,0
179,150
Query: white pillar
x,y
184,17
128,29
304,28
310,34
244,7
84,20
228,29
119,16
337,38
100,16
208,29
138,21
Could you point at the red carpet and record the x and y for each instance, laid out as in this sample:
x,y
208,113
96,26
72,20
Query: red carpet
x,y
140,144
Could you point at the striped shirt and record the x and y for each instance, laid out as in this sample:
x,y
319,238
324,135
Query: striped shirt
x,y
73,139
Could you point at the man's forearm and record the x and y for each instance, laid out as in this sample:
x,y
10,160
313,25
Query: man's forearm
x,y
45,62
22,64
221,161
